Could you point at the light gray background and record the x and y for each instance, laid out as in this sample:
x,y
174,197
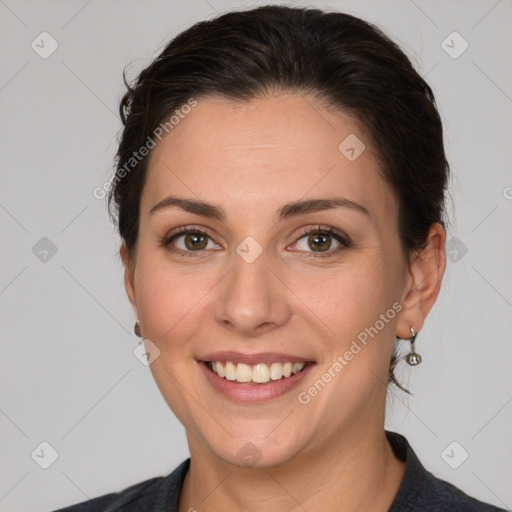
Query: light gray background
x,y
68,373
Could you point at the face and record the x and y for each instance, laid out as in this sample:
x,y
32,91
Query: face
x,y
295,258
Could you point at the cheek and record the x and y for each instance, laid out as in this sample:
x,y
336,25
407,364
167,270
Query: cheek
x,y
347,296
170,301
348,306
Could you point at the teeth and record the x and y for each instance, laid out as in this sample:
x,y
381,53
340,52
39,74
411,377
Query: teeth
x,y
258,373
219,369
276,371
243,373
297,367
229,370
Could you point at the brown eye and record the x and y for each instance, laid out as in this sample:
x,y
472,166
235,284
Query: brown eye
x,y
189,241
319,242
195,241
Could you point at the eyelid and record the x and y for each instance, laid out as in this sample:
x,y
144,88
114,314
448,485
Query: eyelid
x,y
325,229
183,230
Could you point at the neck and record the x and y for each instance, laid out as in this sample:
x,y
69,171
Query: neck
x,y
353,472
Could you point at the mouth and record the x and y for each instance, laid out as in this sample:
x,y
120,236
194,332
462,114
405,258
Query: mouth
x,y
257,374
255,377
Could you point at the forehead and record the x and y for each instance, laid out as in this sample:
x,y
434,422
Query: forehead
x,y
253,155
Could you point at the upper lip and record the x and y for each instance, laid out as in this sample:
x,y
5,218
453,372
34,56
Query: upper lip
x,y
252,359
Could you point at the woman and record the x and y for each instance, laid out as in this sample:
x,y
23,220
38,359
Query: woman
x,y
280,198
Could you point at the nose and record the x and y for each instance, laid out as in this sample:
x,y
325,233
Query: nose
x,y
252,300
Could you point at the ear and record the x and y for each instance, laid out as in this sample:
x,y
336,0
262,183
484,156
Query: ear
x,y
129,272
426,270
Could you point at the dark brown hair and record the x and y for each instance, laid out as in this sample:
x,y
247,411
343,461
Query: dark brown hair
x,y
340,59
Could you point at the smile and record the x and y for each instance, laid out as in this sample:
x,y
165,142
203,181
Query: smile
x,y
259,373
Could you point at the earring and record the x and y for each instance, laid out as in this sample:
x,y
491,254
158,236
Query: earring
x,y
136,329
412,358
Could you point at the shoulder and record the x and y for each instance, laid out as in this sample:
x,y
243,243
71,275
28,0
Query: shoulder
x,y
159,493
444,496
421,490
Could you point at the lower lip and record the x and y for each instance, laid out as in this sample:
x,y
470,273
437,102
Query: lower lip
x,y
241,392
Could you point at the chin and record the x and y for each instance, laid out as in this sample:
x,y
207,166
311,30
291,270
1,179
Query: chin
x,y
257,451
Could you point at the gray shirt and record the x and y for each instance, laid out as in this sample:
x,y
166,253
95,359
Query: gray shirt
x,y
419,490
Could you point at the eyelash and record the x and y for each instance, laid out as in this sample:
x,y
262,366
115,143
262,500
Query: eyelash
x,y
344,240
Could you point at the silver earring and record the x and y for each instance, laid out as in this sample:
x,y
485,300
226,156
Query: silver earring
x,y
136,329
412,357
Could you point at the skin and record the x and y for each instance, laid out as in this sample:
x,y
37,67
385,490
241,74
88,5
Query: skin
x,y
250,158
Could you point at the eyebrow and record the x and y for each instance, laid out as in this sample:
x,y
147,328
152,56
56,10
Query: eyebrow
x,y
288,210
